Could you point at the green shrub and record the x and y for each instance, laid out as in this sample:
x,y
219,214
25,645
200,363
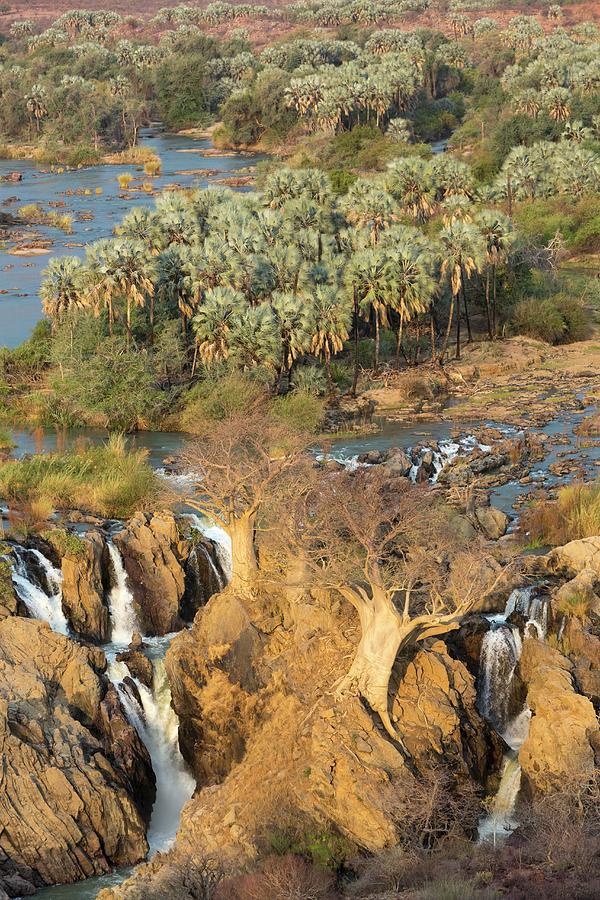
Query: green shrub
x,y
310,379
299,409
217,396
64,542
555,320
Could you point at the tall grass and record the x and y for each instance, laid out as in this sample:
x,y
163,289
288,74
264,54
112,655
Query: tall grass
x,y
573,515
107,480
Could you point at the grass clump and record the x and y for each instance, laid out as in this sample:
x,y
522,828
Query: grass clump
x,y
574,515
64,542
576,605
215,398
107,480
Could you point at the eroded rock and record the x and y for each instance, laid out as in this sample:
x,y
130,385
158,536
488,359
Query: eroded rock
x,y
150,546
84,588
76,778
563,729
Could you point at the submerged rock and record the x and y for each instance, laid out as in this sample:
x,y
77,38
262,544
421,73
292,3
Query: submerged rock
x,y
76,779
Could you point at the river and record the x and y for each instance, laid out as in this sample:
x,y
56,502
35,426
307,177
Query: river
x,y
93,197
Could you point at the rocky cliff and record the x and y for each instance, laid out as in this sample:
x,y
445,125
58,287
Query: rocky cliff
x,y
77,784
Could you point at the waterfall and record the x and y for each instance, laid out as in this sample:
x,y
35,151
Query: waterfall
x,y
157,725
220,538
500,652
120,601
43,601
499,658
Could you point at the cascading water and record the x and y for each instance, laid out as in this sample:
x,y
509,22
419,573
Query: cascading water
x,y
157,725
220,538
42,601
120,601
499,658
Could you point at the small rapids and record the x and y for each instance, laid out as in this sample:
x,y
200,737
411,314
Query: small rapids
x,y
434,460
157,726
499,658
38,585
120,602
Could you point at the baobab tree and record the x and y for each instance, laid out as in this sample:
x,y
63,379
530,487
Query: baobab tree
x,y
392,554
243,463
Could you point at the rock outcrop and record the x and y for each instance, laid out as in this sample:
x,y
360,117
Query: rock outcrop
x,y
214,683
564,730
137,662
576,557
434,710
152,556
8,599
76,779
84,588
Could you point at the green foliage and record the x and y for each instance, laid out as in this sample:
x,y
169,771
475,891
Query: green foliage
x,y
98,381
559,319
5,440
300,409
325,849
184,95
6,585
309,380
106,480
220,394
66,543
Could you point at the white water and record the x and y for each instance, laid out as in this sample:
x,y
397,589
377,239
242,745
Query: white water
x,y
40,604
220,537
500,654
446,452
157,725
120,602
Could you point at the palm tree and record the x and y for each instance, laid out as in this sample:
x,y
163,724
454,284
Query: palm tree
x,y
294,318
496,230
414,286
61,290
133,271
255,339
173,282
370,275
331,325
410,182
36,104
213,322
100,278
463,254
368,206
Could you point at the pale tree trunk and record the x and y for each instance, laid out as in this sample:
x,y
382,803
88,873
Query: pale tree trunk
x,y
245,565
384,632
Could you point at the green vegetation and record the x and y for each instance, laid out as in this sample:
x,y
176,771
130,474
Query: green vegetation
x,y
106,480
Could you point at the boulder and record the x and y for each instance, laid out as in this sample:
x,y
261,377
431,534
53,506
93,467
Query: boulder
x,y
559,748
398,463
435,711
84,568
137,662
493,522
74,770
8,599
151,549
213,685
574,557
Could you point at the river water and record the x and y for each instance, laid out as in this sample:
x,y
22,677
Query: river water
x,y
93,197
